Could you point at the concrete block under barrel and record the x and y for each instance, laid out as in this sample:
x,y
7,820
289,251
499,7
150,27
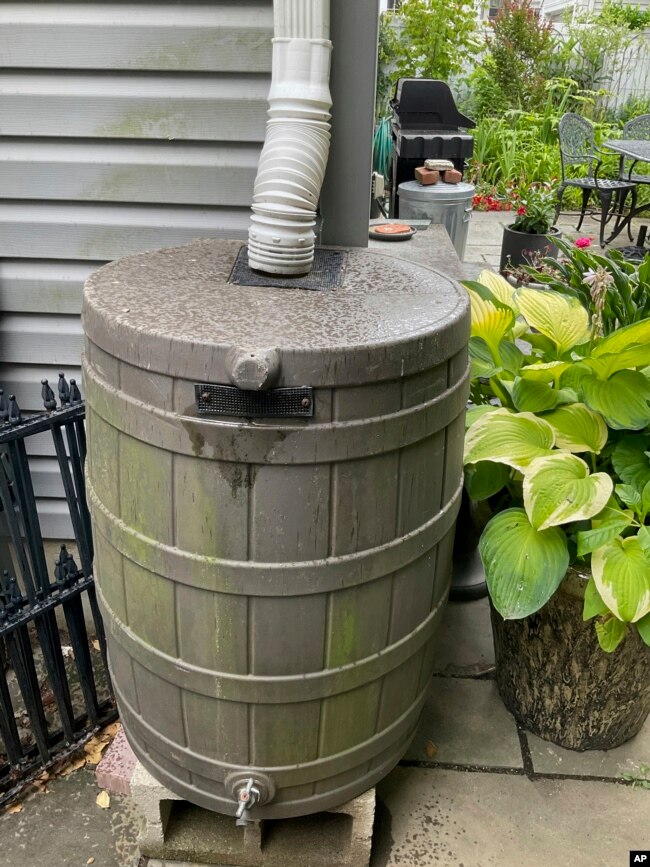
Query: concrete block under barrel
x,y
272,585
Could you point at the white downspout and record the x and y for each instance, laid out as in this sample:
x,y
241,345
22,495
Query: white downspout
x,y
292,166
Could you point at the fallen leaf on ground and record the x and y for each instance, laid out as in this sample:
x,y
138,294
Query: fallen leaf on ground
x,y
112,729
103,800
94,749
431,749
96,644
72,766
90,861
15,808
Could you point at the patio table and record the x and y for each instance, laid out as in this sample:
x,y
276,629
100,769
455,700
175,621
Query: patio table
x,y
634,149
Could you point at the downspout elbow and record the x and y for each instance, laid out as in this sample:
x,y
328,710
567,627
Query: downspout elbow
x,y
294,157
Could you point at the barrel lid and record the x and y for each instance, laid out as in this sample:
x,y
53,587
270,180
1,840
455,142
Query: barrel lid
x,y
441,191
174,311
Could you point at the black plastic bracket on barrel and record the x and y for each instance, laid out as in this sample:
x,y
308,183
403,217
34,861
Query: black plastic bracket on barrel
x,y
240,403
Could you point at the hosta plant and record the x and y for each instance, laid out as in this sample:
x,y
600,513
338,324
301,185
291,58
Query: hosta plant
x,y
614,290
559,442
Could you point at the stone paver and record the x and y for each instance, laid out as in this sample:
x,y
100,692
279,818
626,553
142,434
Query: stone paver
x,y
486,231
465,722
65,828
444,818
549,759
465,646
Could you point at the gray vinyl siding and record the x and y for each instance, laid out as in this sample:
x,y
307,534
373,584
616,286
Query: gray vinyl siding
x,y
124,126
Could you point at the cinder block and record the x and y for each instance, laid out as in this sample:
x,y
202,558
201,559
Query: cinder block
x,y
179,834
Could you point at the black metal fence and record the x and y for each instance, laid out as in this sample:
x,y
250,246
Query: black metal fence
x,y
54,688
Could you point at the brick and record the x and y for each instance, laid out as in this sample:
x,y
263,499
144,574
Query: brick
x,y
452,176
426,176
116,767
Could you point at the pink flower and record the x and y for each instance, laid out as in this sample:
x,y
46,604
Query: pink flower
x,y
582,242
521,210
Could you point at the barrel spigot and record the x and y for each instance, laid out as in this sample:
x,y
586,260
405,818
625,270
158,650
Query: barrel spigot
x,y
247,797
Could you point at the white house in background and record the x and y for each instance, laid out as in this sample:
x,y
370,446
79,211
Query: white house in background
x,y
555,10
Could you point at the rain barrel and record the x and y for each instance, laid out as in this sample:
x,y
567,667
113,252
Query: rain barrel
x,y
449,204
274,475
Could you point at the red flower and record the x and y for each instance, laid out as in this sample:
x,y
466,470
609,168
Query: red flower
x,y
582,242
521,210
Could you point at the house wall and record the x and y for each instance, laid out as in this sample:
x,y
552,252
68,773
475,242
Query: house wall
x,y
131,125
123,126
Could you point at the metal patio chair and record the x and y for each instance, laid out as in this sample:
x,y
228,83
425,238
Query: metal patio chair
x,y
577,146
636,128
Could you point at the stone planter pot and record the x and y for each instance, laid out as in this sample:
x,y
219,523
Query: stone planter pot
x,y
521,248
558,683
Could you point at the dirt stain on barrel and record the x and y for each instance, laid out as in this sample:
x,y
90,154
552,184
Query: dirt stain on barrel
x,y
196,437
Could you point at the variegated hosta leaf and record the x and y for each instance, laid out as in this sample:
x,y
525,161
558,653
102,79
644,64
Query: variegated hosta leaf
x,y
499,287
531,396
631,461
486,478
621,570
514,439
593,605
523,566
481,362
562,319
512,358
623,338
578,428
610,633
603,532
559,489
622,400
643,627
474,413
545,372
491,320
605,365
644,539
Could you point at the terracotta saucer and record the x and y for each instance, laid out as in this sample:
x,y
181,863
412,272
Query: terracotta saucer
x,y
392,232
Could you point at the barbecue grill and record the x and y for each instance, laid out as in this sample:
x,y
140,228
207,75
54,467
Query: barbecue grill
x,y
426,125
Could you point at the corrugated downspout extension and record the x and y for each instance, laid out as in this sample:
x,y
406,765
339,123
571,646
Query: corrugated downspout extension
x,y
294,158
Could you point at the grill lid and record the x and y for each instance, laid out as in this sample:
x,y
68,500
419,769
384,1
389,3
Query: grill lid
x,y
425,104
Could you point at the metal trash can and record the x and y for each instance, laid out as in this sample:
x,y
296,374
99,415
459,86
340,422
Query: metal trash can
x,y
449,204
274,472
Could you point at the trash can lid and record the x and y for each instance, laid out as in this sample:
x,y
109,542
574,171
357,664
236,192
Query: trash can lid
x,y
443,192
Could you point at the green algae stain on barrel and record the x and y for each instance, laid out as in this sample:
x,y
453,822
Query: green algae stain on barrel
x,y
272,586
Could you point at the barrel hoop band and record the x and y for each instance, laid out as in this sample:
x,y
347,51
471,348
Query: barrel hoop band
x,y
266,444
289,775
334,800
253,578
281,689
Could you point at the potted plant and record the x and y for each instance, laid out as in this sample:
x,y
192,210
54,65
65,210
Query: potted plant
x,y
558,443
532,233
